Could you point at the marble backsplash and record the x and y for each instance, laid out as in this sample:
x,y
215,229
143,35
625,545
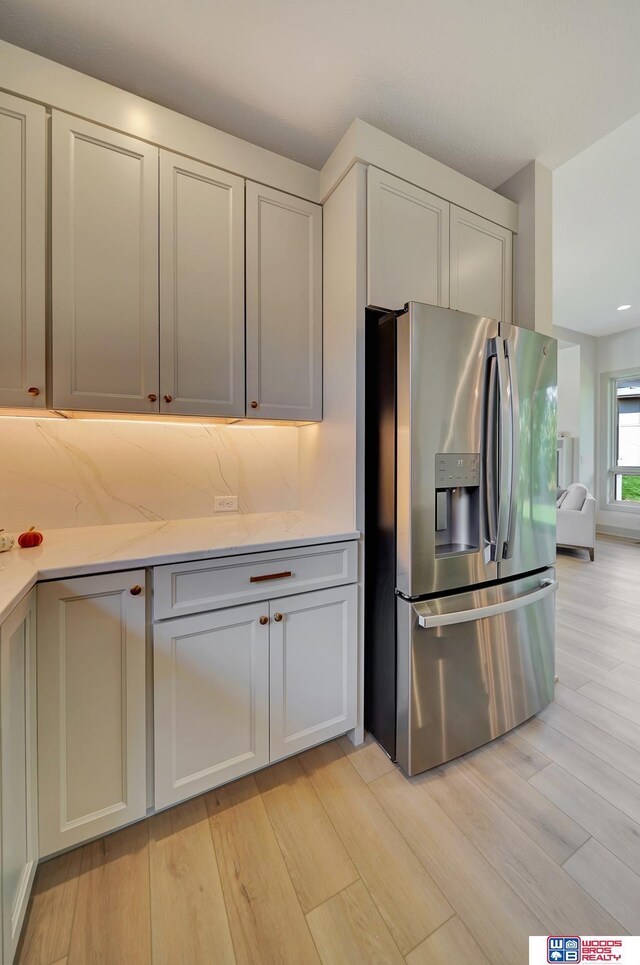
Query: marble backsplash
x,y
58,473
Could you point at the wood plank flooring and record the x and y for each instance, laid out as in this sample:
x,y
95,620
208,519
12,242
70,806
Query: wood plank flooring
x,y
336,857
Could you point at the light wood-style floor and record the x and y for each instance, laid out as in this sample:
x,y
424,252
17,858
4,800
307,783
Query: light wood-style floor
x,y
336,857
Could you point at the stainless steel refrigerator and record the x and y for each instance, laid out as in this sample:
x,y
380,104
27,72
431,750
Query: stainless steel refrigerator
x,y
460,522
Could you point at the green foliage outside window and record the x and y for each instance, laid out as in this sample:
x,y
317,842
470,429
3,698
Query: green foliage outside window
x,y
631,488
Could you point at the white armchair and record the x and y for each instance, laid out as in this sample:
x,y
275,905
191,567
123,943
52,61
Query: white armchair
x,y
576,518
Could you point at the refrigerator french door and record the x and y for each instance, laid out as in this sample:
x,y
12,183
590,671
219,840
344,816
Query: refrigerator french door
x,y
460,519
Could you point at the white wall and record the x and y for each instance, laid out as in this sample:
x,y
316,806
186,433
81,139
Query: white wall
x,y
569,390
531,188
328,449
58,473
586,469
618,354
619,351
569,401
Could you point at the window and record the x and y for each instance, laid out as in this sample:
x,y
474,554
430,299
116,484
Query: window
x,y
625,471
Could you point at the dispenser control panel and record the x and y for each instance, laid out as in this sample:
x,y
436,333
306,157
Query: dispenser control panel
x,y
457,469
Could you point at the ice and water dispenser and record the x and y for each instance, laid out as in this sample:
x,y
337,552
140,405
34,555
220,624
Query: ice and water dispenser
x,y
457,503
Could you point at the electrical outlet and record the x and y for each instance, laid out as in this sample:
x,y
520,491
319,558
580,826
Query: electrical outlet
x,y
225,504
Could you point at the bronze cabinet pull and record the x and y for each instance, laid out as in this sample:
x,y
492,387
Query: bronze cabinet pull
x,y
270,576
135,590
33,391
264,621
254,404
278,617
152,397
168,398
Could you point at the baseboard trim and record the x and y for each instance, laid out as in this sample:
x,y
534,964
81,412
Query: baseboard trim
x,y
633,535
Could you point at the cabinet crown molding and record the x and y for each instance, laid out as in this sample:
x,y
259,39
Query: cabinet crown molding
x,y
365,143
38,79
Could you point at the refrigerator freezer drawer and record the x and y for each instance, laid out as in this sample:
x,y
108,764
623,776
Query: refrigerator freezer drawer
x,y
471,667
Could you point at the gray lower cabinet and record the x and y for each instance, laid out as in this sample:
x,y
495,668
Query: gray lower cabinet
x,y
239,688
91,706
233,689
211,700
18,774
313,659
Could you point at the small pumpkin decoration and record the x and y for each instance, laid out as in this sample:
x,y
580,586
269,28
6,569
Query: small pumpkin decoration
x,y
31,538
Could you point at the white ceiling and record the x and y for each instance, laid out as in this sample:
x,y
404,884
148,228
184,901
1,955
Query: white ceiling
x,y
596,235
483,85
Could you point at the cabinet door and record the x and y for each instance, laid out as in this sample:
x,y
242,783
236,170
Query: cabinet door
x,y
313,668
211,700
408,243
18,811
481,266
201,289
22,252
91,707
104,269
284,306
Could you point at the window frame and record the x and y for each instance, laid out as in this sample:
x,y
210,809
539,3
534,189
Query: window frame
x,y
613,469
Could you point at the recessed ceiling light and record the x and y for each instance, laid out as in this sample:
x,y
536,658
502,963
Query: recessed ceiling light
x,y
623,308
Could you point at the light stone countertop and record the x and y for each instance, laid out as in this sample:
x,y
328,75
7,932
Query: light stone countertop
x,y
81,551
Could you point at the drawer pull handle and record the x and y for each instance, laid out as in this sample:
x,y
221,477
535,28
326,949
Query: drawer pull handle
x,y
264,621
33,391
278,617
270,576
135,590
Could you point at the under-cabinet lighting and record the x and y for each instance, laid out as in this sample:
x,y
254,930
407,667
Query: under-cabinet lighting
x,y
67,415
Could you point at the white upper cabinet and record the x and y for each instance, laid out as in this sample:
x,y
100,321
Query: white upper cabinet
x,y
481,266
22,252
201,289
18,770
284,306
104,269
408,243
91,707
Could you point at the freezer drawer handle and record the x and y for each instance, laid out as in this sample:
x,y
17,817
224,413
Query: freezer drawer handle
x,y
428,619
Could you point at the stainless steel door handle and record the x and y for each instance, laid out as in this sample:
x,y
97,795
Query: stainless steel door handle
x,y
514,420
505,449
428,619
490,442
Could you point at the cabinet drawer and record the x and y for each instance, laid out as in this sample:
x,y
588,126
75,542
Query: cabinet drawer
x,y
183,588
